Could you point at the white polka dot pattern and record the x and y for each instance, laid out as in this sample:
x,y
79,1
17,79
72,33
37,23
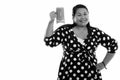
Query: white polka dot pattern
x,y
79,61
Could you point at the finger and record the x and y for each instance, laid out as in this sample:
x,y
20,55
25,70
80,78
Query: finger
x,y
53,12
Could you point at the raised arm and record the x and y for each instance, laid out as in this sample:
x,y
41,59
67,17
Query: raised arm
x,y
49,30
53,38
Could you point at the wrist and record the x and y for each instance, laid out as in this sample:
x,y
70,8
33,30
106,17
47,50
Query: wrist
x,y
52,20
104,64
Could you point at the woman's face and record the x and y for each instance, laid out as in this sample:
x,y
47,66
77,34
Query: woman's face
x,y
81,17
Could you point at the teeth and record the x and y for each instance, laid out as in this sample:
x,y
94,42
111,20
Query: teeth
x,y
82,21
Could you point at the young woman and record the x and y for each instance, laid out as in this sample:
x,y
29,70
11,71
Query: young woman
x,y
79,41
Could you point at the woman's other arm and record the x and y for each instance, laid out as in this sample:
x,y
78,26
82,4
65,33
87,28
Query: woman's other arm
x,y
111,45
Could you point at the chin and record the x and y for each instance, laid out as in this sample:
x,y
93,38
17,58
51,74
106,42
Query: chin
x,y
82,24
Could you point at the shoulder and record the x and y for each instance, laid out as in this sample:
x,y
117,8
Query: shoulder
x,y
96,29
64,27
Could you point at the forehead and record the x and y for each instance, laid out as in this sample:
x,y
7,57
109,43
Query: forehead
x,y
81,10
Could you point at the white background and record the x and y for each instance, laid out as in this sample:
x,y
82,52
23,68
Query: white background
x,y
23,53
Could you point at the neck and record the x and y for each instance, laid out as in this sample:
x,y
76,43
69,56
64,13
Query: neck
x,y
80,27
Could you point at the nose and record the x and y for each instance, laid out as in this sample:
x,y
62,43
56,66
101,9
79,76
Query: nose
x,y
83,16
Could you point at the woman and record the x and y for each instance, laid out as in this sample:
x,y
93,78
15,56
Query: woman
x,y
79,41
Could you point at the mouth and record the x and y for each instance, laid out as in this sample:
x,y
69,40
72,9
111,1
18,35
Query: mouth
x,y
83,20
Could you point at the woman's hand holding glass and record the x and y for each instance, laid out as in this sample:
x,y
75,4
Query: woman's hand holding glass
x,y
52,15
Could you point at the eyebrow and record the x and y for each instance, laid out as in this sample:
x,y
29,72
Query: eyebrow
x,y
83,13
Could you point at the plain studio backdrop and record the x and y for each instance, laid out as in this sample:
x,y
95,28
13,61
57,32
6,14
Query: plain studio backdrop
x,y
23,23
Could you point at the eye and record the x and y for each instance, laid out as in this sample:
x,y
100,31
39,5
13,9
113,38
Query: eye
x,y
79,15
85,13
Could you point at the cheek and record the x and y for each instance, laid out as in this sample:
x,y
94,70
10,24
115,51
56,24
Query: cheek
x,y
74,19
87,17
78,19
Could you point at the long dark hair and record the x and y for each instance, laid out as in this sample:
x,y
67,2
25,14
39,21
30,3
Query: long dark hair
x,y
75,8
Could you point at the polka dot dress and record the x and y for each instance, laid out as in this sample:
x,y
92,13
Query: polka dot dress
x,y
79,59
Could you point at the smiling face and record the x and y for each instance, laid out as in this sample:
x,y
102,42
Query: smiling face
x,y
81,17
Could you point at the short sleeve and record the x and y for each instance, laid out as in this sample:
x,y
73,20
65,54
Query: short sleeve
x,y
106,41
54,39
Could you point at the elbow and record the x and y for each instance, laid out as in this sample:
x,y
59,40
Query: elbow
x,y
113,48
48,42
